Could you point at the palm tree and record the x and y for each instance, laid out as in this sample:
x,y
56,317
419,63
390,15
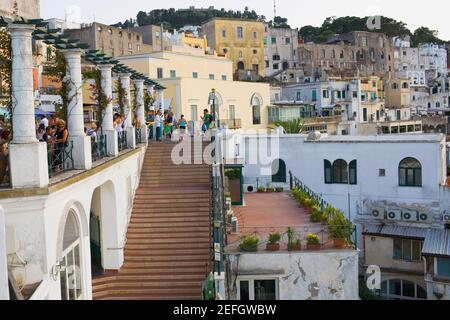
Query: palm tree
x,y
293,126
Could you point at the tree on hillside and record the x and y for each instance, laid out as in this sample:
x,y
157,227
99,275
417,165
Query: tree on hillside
x,y
279,22
425,35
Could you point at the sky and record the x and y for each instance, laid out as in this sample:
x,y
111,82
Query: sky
x,y
299,12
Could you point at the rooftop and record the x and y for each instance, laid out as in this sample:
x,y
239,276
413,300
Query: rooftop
x,y
265,213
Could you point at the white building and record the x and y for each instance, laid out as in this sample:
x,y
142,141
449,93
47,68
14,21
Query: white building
x,y
280,50
396,181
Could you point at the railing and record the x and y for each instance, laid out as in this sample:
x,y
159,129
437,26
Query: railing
x,y
99,148
60,158
139,138
232,124
123,141
296,183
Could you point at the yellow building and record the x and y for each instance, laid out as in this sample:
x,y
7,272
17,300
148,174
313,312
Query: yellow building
x,y
194,42
372,100
189,79
241,41
181,62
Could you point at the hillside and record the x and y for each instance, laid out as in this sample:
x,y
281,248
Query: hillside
x,y
177,18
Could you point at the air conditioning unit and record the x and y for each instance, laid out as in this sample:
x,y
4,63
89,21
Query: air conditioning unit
x,y
378,213
234,225
446,217
394,215
425,217
409,215
250,188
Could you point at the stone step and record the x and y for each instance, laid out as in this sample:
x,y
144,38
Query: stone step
x,y
167,252
169,220
167,236
166,246
140,262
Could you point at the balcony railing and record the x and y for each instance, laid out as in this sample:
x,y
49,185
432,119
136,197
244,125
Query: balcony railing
x,y
139,136
98,148
232,124
60,158
123,141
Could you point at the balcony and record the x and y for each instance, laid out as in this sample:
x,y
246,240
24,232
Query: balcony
x,y
232,124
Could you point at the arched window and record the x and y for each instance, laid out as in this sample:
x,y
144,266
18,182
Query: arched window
x,y
405,85
410,173
256,109
70,274
279,171
241,65
328,172
353,172
340,172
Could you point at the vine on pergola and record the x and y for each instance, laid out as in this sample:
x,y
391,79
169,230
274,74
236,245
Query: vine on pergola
x,y
148,102
98,94
5,70
121,98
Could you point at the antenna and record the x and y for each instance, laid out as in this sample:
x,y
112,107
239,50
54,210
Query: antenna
x,y
274,10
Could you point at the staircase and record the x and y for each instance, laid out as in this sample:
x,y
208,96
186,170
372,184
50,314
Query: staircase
x,y
168,244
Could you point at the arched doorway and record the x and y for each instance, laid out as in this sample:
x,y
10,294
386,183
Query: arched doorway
x,y
279,171
70,264
105,234
241,65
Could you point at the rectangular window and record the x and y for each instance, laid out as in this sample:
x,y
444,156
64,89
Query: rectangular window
x,y
273,40
353,172
258,290
443,267
299,96
314,95
159,72
326,94
328,174
407,250
255,35
211,77
355,94
240,32
224,33
256,115
173,74
194,113
364,114
288,41
224,77
399,115
195,75
231,112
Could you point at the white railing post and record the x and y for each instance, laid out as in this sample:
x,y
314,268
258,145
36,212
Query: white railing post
x,y
108,118
75,116
131,135
24,145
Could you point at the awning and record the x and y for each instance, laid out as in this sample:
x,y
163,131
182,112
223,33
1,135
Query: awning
x,y
395,231
437,243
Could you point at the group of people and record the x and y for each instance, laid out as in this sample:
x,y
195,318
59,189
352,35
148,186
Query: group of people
x,y
54,132
166,123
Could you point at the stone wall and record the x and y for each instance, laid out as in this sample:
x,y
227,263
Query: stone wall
x,y
26,8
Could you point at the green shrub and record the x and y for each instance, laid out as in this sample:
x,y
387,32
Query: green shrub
x,y
313,239
339,227
249,243
274,238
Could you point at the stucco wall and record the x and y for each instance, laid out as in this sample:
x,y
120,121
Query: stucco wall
x,y
329,275
39,222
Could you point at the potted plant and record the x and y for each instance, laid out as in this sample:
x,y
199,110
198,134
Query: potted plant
x,y
294,244
339,229
297,245
274,242
249,243
313,242
279,189
269,188
261,189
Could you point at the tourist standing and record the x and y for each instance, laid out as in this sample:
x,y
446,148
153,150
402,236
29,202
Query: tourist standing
x,y
158,122
207,120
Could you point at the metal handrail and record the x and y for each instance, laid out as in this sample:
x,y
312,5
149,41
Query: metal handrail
x,y
99,148
60,159
123,140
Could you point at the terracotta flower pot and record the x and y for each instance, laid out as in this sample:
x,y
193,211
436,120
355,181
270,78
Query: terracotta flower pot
x,y
297,247
273,247
339,243
313,247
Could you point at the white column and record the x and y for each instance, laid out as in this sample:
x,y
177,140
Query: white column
x,y
151,92
4,288
161,100
112,145
131,138
140,112
25,146
82,154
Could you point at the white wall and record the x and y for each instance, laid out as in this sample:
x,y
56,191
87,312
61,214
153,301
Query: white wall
x,y
4,290
328,275
306,161
39,222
